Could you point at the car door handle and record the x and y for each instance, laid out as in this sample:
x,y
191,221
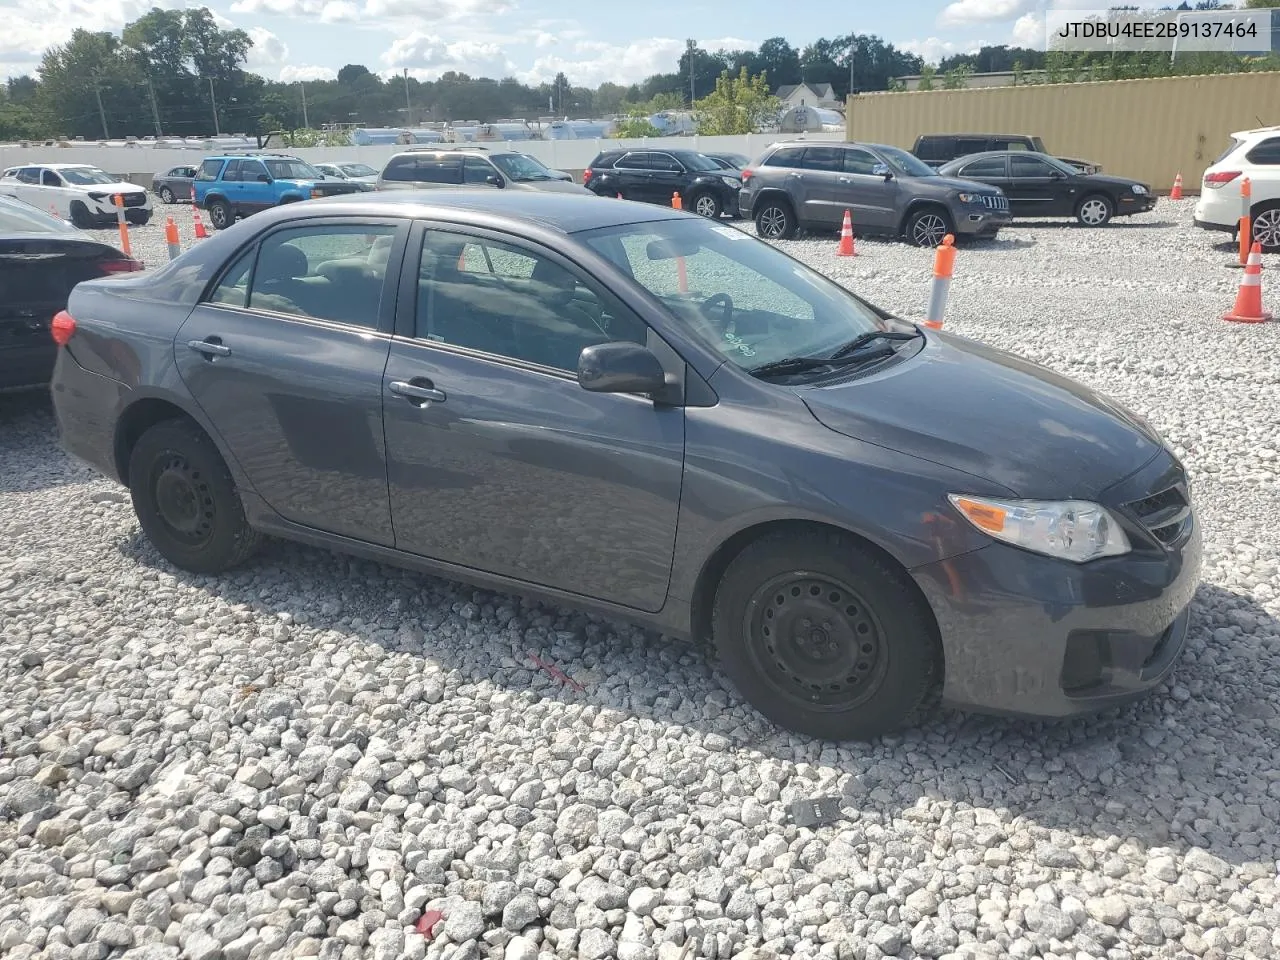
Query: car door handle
x,y
795,175
843,180
212,347
419,391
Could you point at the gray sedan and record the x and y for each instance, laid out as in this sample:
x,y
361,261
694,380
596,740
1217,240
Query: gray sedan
x,y
174,184
653,416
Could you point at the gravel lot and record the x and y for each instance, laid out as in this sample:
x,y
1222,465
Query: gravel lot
x,y
299,759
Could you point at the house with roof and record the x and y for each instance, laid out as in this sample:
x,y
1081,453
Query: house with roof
x,y
818,95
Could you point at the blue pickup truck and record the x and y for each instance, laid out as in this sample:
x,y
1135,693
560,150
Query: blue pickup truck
x,y
237,186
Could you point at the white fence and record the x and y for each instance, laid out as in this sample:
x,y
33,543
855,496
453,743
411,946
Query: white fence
x,y
140,160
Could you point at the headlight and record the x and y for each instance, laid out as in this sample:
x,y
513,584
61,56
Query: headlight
x,y
1074,530
731,183
1139,189
970,198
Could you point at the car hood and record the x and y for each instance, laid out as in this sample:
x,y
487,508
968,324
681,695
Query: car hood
x,y
994,415
1121,183
117,186
958,183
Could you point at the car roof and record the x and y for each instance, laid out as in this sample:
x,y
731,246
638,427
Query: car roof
x,y
1255,132
566,213
998,153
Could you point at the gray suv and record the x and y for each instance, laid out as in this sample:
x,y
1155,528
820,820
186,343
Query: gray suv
x,y
802,184
472,166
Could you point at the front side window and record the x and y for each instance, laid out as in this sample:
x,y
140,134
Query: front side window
x,y
357,170
513,302
50,179
288,170
331,272
521,167
252,171
476,170
738,295
1028,167
859,161
905,163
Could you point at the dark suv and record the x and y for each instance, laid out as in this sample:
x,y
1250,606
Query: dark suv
x,y
935,149
802,184
654,176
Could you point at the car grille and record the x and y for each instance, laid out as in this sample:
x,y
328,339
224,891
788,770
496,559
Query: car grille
x,y
995,203
135,199
1165,514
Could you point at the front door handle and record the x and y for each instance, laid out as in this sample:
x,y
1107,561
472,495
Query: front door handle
x,y
843,180
419,391
211,347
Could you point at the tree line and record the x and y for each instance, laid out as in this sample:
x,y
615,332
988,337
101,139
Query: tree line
x,y
177,73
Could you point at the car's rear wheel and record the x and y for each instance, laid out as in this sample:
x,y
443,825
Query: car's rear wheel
x,y
823,637
1266,227
166,195
186,500
220,214
706,205
1095,211
928,226
80,215
775,220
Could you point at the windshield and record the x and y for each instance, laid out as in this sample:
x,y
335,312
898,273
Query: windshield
x,y
521,167
358,170
745,298
292,170
85,176
19,217
696,161
905,163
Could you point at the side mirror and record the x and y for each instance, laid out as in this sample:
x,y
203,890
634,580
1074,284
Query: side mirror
x,y
882,170
264,178
495,181
620,367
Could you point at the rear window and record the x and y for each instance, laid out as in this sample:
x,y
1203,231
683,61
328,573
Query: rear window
x,y
417,168
605,160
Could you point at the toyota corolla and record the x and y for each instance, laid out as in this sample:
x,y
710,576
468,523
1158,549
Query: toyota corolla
x,y
656,417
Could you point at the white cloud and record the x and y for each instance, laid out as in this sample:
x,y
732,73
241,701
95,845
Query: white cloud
x,y
268,50
982,11
427,56
1028,31
326,11
31,27
292,74
933,49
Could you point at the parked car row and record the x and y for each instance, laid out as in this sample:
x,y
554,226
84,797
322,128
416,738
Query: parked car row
x,y
607,404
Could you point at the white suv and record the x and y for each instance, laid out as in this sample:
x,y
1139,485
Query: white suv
x,y
1254,154
77,192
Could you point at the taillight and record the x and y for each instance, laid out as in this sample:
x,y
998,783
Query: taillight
x,y
586,175
747,174
126,265
62,328
1216,180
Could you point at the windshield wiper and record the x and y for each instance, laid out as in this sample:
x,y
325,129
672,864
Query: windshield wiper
x,y
851,352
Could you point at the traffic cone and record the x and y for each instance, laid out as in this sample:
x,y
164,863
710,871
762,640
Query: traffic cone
x,y
1176,192
171,239
1248,308
201,232
846,238
676,201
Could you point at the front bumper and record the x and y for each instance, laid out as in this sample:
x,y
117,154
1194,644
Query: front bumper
x,y
1027,635
104,214
1136,204
979,222
1216,210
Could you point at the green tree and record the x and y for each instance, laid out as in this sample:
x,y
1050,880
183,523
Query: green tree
x,y
957,78
926,78
741,104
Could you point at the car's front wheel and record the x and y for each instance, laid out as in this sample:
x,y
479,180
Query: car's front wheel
x,y
823,637
775,220
1095,211
186,500
928,226
707,205
220,214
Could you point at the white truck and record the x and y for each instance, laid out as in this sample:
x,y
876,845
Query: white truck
x,y
77,192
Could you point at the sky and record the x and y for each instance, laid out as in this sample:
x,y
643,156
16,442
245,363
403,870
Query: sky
x,y
531,40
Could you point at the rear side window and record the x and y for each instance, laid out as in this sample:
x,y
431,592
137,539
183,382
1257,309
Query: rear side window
x,y
967,145
29,175
416,168
1009,145
1230,149
1266,153
209,170
635,161
987,167
823,158
785,157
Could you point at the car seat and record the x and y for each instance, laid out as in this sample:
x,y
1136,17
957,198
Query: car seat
x,y
277,283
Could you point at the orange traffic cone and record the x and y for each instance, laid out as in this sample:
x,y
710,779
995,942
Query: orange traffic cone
x,y
846,238
676,201
1248,308
1176,192
201,232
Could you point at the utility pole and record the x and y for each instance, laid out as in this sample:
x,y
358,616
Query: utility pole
x,y
303,86
691,45
217,131
102,114
408,107
155,109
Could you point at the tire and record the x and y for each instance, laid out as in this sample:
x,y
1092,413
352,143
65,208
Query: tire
x,y
80,216
220,214
1095,210
842,598
927,226
1265,220
775,220
186,500
166,195
706,205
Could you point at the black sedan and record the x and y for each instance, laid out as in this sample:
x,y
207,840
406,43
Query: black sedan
x,y
41,259
639,411
1040,186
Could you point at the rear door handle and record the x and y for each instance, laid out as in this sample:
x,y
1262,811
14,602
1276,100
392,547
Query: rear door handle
x,y
795,175
843,180
418,391
212,347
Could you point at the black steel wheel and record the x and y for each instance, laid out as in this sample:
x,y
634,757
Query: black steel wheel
x,y
221,215
186,499
824,636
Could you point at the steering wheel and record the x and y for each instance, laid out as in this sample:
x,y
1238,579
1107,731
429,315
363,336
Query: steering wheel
x,y
725,301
